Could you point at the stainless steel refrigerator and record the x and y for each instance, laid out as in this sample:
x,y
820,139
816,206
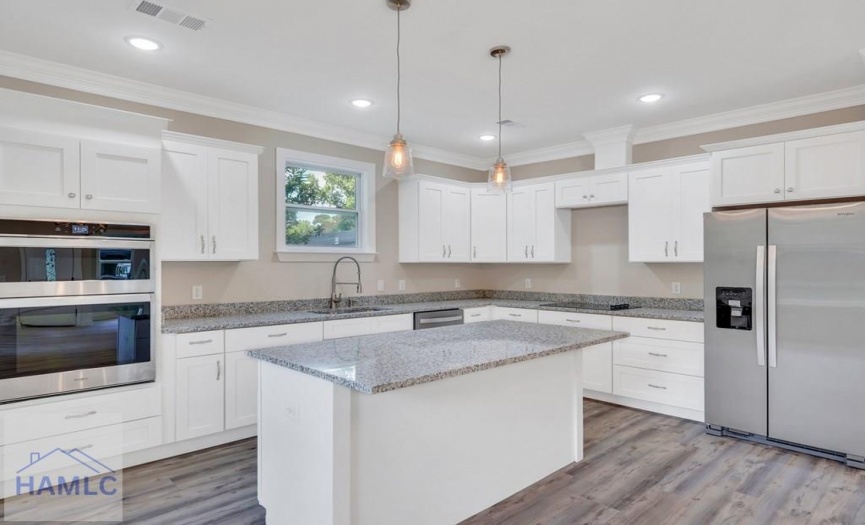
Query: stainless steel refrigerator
x,y
785,327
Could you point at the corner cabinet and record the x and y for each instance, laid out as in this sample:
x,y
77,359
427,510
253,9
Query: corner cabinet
x,y
537,231
665,213
210,200
434,223
43,170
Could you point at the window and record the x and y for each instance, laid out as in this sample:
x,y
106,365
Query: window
x,y
325,207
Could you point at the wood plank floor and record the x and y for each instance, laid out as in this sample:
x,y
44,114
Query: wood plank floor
x,y
640,468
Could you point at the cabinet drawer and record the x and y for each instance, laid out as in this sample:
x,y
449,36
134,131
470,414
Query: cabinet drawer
x,y
679,357
200,343
242,339
660,328
515,314
391,323
346,328
476,315
73,415
593,321
659,387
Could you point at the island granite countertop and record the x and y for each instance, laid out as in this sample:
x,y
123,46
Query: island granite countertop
x,y
226,322
378,363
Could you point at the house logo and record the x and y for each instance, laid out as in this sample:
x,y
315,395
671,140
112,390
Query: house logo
x,y
48,474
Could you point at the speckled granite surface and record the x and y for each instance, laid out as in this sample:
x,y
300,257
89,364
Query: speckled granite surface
x,y
378,363
198,318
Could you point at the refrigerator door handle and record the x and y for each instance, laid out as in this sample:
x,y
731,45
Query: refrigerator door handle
x,y
771,294
760,306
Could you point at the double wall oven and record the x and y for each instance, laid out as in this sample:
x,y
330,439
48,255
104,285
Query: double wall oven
x,y
75,307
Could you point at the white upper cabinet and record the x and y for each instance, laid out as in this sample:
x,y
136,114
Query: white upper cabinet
x,y
44,170
823,164
583,191
665,213
489,226
434,222
210,197
537,231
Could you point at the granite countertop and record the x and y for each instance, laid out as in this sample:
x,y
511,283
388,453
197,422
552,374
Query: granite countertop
x,y
378,363
223,322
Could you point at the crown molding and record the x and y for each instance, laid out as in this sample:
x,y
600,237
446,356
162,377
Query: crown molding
x,y
617,135
561,151
786,137
793,107
212,143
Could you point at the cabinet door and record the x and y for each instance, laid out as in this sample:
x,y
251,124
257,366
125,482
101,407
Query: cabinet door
x,y
489,226
432,245
241,390
825,167
748,175
651,216
200,396
457,216
119,177
521,223
477,315
598,368
183,232
693,201
609,189
573,193
38,169
544,246
232,205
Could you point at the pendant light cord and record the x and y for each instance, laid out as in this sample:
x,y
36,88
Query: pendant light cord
x,y
500,105
398,73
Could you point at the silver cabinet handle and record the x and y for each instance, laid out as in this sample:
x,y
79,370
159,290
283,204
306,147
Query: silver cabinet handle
x,y
438,320
71,195
89,196
79,416
656,386
657,355
475,252
474,315
203,245
790,189
527,251
218,369
772,305
214,243
760,307
656,328
449,251
573,320
283,334
203,342
444,251
591,196
777,190
533,251
666,248
515,315
676,248
585,196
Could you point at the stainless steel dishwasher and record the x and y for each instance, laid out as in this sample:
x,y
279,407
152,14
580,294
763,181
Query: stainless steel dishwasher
x,y
437,318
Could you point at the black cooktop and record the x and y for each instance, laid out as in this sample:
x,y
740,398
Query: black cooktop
x,y
591,306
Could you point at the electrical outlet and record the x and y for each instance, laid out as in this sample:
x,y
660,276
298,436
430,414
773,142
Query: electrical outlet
x,y
402,286
677,288
197,293
380,285
457,283
528,283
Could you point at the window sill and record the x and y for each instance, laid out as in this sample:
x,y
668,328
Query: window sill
x,y
364,257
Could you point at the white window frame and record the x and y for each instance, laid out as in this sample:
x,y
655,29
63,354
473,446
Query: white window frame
x,y
365,200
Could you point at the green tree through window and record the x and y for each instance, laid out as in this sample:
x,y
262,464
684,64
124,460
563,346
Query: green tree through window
x,y
321,207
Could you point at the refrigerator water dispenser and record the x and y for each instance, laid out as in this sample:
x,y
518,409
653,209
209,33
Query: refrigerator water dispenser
x,y
733,307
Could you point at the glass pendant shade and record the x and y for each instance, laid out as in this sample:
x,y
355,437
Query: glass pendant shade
x,y
500,177
397,159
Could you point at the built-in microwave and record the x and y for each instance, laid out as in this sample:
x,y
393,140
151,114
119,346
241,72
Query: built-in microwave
x,y
75,307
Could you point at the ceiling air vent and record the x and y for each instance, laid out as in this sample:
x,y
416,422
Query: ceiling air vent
x,y
172,16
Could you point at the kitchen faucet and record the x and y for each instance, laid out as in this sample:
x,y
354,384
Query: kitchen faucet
x,y
334,298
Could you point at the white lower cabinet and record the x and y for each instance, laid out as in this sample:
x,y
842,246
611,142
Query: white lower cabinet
x,y
339,328
660,387
200,395
515,314
598,359
477,315
241,390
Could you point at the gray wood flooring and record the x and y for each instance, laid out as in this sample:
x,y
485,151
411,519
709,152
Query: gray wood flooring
x,y
640,468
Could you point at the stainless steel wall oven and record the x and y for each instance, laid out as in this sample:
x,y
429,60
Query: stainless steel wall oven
x,y
75,307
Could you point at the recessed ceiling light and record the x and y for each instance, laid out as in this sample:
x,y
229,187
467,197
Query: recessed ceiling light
x,y
144,44
651,97
487,138
361,103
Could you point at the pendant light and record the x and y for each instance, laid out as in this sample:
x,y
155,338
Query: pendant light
x,y
397,157
500,174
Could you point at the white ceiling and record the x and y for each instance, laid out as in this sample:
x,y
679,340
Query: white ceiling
x,y
576,66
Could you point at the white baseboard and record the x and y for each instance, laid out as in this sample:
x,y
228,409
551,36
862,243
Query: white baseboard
x,y
669,410
186,446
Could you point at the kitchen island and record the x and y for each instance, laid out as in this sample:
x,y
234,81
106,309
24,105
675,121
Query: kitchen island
x,y
423,427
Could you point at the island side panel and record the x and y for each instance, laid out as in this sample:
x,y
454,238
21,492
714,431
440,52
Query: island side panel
x,y
440,452
304,448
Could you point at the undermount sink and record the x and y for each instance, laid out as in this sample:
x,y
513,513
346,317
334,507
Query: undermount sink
x,y
350,310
